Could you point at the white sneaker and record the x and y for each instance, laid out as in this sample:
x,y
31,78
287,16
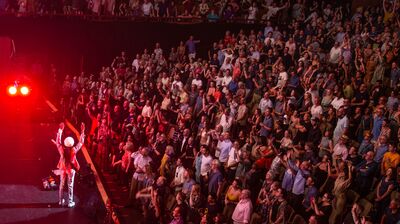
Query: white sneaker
x,y
61,202
71,204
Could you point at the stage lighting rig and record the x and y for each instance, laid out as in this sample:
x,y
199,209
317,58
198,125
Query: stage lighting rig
x,y
18,88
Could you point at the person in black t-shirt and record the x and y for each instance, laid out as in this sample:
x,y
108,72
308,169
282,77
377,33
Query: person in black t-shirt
x,y
322,209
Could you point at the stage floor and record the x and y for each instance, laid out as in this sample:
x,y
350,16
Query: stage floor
x,y
26,156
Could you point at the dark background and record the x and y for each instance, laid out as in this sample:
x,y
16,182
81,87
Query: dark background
x,y
74,44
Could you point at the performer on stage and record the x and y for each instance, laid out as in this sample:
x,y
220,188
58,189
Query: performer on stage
x,y
68,164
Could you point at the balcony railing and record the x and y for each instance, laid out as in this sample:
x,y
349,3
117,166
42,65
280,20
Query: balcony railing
x,y
111,18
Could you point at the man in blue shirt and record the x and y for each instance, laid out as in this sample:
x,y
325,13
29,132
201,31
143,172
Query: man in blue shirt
x,y
191,46
294,81
212,16
394,75
267,125
215,179
224,146
378,120
365,174
302,173
380,149
310,193
188,182
198,106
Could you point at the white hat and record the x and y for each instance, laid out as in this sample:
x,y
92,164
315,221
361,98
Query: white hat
x,y
69,142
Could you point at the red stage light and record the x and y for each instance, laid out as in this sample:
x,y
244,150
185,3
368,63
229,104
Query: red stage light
x,y
24,90
12,90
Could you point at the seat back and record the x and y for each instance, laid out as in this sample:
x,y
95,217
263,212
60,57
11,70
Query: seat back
x,y
352,197
289,214
298,219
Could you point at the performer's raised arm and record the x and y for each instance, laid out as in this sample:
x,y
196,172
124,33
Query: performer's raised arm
x,y
59,134
57,142
81,138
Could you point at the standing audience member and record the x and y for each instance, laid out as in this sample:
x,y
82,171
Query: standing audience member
x,y
243,209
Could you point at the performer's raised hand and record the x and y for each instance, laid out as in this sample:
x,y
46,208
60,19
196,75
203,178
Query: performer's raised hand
x,y
61,126
82,127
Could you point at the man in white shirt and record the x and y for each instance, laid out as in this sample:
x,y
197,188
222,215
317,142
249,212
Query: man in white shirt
x,y
335,53
227,77
340,150
269,39
228,55
197,81
243,209
178,180
147,109
273,10
135,63
316,109
206,160
291,45
233,157
265,103
158,51
147,8
341,125
141,159
282,78
233,160
177,84
268,28
254,54
226,66
165,80
226,121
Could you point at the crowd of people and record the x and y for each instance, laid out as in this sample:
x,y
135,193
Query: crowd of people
x,y
205,10
296,123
